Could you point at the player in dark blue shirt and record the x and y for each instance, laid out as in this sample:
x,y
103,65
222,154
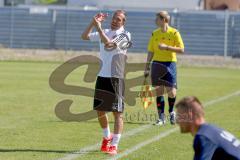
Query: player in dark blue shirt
x,y
210,142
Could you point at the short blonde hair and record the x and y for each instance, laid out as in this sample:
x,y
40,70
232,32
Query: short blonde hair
x,y
164,14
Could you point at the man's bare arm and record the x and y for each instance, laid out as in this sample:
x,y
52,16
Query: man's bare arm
x,y
175,49
102,35
147,67
88,30
171,48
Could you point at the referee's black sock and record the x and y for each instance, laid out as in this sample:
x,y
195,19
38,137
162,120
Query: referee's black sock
x,y
160,105
171,102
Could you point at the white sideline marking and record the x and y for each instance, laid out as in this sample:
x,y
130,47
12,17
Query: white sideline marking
x,y
168,132
90,148
144,143
221,98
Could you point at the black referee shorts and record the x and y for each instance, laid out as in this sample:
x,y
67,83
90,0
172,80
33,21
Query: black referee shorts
x,y
109,94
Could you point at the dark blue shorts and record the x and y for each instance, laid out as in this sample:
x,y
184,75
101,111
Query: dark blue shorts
x,y
164,74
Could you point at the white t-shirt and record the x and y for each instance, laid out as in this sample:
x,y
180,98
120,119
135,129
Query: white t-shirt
x,y
113,62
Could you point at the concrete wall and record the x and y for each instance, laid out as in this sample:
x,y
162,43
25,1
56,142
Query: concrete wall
x,y
188,4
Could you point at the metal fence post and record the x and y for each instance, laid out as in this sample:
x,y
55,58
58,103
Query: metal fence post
x,y
53,30
11,25
66,29
226,34
232,28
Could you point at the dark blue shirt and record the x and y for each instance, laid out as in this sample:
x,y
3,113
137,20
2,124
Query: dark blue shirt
x,y
213,143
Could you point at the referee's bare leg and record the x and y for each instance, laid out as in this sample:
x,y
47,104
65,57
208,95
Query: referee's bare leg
x,y
171,91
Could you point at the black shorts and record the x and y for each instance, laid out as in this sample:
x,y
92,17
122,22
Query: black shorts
x,y
164,74
109,94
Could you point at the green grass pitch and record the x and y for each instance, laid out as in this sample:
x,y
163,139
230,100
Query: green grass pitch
x,y
30,130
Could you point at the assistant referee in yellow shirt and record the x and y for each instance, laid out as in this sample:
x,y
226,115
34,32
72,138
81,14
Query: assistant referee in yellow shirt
x,y
165,42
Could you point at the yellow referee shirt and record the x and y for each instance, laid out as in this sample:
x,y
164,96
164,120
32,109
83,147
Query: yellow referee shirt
x,y
171,38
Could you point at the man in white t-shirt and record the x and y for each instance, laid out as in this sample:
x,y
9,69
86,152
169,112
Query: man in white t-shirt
x,y
109,89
